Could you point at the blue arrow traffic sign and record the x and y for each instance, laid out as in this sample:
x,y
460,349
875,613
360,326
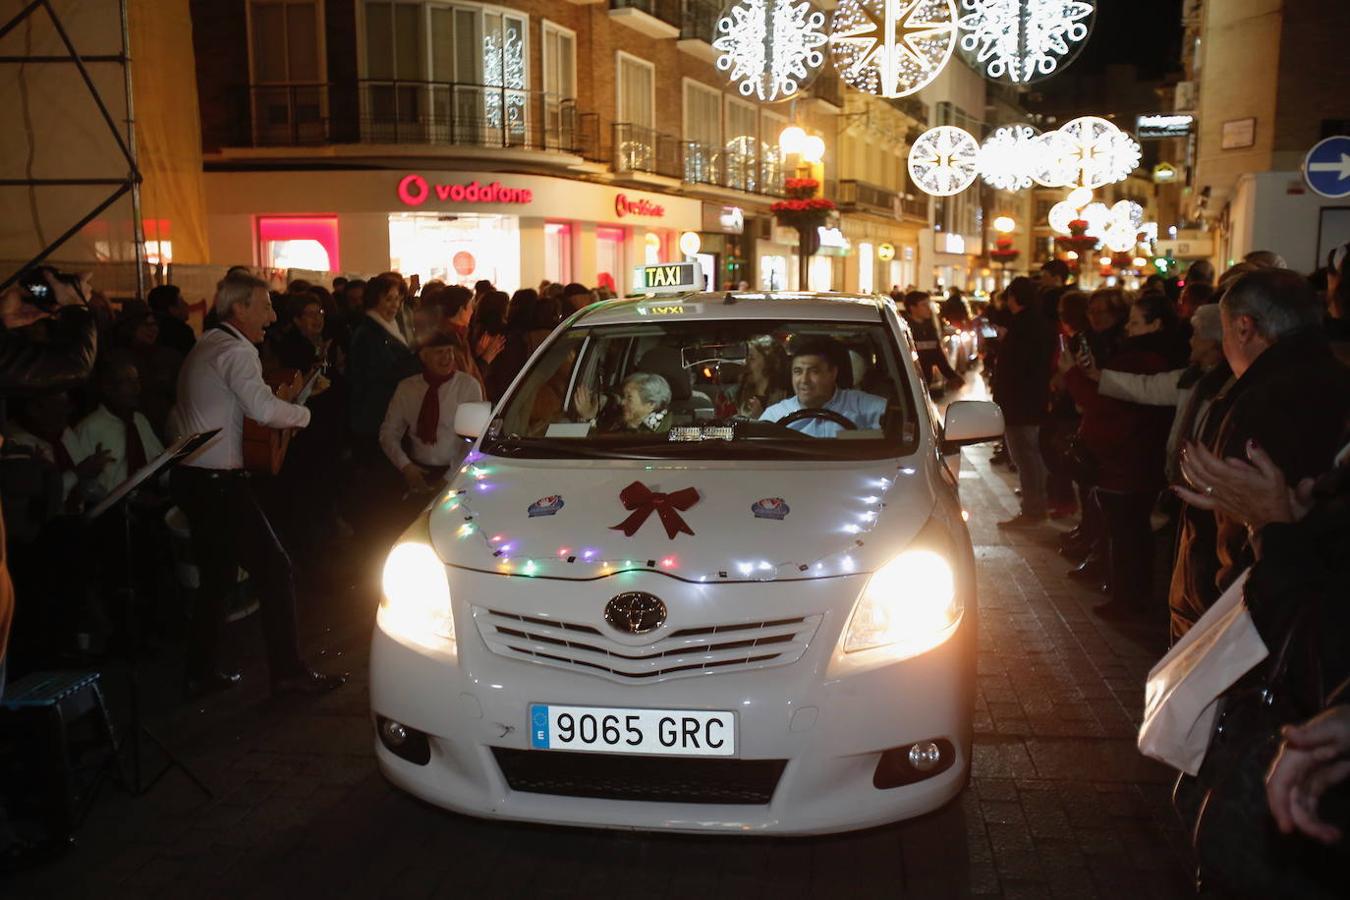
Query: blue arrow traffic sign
x,y
1327,167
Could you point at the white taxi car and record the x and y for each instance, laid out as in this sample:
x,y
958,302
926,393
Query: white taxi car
x,y
705,569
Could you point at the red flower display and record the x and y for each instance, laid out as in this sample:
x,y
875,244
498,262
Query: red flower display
x,y
1004,251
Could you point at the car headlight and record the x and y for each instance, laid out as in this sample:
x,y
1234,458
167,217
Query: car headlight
x,y
416,602
910,604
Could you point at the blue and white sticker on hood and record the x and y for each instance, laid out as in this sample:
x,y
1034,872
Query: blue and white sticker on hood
x,y
699,524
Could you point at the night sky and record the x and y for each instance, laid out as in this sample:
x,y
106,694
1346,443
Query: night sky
x,y
1146,33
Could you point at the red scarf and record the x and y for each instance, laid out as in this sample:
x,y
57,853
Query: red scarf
x,y
429,417
135,449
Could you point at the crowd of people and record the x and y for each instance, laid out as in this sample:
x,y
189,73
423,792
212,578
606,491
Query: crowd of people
x,y
386,362
1207,419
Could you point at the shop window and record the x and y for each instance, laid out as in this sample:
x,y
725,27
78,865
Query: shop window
x,y
609,258
288,93
459,250
298,242
865,276
558,252
773,273
466,85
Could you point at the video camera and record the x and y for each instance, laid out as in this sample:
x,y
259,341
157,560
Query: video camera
x,y
39,290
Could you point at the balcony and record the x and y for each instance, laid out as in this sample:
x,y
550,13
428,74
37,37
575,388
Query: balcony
x,y
698,29
913,107
859,196
739,166
828,91
654,18
414,112
742,165
914,207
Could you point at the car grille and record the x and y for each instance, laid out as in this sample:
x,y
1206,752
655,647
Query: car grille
x,y
688,651
655,779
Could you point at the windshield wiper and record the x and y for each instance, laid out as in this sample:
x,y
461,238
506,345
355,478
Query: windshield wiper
x,y
526,447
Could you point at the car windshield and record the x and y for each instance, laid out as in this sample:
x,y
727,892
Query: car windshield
x,y
712,389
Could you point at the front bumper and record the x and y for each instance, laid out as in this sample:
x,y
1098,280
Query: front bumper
x,y
828,721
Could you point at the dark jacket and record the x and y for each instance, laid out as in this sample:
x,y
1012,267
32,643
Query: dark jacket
x,y
27,368
175,333
378,362
1022,376
1128,441
928,340
1293,401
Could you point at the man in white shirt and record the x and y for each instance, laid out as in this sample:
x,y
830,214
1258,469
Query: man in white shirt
x,y
117,425
423,408
815,386
220,383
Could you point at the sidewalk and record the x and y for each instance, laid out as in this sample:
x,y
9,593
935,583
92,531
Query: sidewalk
x,y
1060,805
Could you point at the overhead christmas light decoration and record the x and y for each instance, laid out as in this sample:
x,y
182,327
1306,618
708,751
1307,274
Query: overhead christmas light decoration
x,y
1101,153
770,48
1008,157
1060,215
1051,160
944,160
1021,41
892,48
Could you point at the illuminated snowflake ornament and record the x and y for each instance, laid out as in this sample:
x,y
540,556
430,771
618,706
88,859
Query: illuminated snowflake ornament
x,y
944,160
1021,41
892,48
770,49
1060,215
1098,153
1008,157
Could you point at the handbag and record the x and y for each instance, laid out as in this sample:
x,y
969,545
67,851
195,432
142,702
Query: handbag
x,y
1182,692
1233,834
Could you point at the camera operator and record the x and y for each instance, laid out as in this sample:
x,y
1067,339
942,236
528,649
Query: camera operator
x,y
29,367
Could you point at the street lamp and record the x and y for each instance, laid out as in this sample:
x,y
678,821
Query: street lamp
x,y
1004,252
791,140
1005,225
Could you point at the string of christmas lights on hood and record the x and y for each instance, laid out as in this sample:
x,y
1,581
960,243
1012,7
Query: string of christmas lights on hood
x,y
506,556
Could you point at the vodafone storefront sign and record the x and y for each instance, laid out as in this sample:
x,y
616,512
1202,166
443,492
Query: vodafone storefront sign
x,y
623,206
413,190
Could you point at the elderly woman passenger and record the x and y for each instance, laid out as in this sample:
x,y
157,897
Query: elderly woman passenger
x,y
644,405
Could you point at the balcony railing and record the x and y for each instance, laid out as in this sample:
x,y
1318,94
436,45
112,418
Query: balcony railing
x,y
667,11
830,88
700,20
415,112
914,207
859,195
743,164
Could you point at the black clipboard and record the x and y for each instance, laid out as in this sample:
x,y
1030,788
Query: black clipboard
x,y
180,449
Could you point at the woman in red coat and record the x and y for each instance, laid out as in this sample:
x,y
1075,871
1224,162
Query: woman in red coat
x,y
1127,443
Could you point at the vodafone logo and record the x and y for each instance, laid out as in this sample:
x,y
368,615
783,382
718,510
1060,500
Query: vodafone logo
x,y
625,207
413,190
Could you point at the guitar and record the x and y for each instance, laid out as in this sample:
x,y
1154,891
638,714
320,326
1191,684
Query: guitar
x,y
264,446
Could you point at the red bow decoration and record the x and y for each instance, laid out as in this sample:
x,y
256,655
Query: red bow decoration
x,y
641,500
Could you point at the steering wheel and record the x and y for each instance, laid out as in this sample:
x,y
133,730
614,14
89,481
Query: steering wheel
x,y
828,414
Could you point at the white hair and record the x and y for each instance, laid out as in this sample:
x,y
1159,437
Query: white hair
x,y
234,289
651,388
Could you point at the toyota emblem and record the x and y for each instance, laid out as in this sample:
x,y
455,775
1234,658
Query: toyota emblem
x,y
635,612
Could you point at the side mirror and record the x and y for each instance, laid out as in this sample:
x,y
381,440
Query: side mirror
x,y
471,419
968,422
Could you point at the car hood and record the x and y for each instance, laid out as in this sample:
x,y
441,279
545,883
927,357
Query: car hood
x,y
561,519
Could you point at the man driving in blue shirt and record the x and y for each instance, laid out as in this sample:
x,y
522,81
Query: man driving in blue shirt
x,y
815,385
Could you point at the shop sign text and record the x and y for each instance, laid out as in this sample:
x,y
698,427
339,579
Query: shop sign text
x,y
413,190
623,206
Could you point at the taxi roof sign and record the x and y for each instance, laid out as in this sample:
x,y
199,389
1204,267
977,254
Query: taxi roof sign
x,y
669,278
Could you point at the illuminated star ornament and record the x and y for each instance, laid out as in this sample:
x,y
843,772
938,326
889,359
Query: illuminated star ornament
x,y
892,48
770,48
1021,41
944,160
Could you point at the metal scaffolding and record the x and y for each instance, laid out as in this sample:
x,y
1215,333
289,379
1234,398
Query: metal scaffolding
x,y
126,144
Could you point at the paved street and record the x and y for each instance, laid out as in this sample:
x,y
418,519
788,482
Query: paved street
x,y
1060,805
